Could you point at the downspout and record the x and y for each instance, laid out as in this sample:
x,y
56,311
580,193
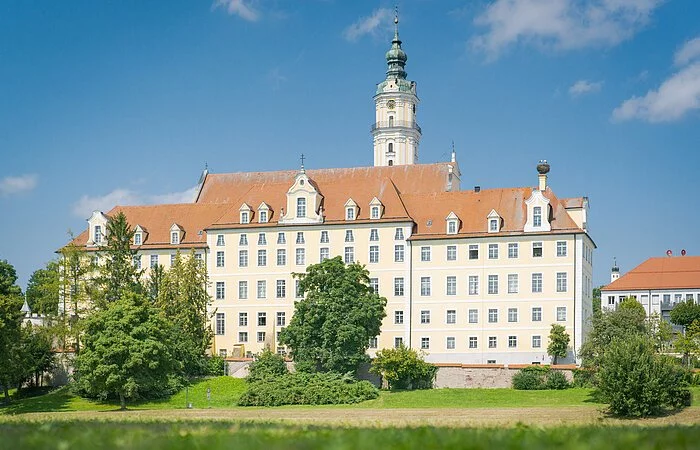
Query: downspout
x,y
409,247
576,290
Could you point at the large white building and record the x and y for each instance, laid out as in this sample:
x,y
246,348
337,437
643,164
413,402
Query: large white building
x,y
471,276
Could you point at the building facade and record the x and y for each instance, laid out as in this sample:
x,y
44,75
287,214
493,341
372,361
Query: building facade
x,y
470,276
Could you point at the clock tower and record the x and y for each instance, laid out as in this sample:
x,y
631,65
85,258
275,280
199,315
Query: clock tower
x,y
395,131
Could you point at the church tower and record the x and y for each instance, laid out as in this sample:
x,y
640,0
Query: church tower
x,y
395,131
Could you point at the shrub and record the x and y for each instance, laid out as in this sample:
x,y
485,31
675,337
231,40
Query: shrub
x,y
403,368
267,365
555,379
530,378
215,366
637,382
307,389
584,378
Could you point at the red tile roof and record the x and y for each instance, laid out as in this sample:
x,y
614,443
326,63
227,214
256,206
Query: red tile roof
x,y
678,272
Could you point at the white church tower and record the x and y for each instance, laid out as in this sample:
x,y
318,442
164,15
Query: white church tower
x,y
395,131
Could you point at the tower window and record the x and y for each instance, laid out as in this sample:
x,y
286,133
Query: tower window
x,y
391,162
391,121
391,147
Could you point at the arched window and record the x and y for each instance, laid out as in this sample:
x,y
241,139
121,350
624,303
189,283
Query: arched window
x,y
391,162
391,121
391,147
301,207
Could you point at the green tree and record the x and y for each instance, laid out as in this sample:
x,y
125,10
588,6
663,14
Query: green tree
x,y
597,305
11,357
403,368
685,313
267,365
688,343
118,274
660,331
155,282
332,325
558,342
8,279
75,295
184,300
37,352
126,350
43,289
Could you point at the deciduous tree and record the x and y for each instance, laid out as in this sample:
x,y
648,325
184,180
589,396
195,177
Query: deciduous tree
x,y
43,289
558,342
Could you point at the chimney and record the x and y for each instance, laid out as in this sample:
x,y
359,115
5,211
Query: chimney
x,y
543,170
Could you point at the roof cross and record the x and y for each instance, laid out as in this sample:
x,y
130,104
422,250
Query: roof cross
x,y
302,159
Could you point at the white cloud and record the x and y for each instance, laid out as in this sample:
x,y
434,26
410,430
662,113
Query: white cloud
x,y
17,185
676,96
367,25
688,52
560,24
242,8
276,78
582,87
87,204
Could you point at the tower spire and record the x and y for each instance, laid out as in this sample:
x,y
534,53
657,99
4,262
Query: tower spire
x,y
396,57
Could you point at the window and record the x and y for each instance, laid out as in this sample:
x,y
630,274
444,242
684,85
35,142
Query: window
x,y
350,213
451,317
536,249
262,239
451,285
349,255
375,212
398,235
281,257
374,284
222,352
398,342
137,262
373,253
198,257
243,336
281,288
452,253
373,342
512,283
398,253
424,286
492,344
493,251
373,235
493,284
424,343
243,239
561,313
425,316
513,250
512,314
324,253
611,299
262,319
536,341
281,318
137,239
261,336
262,288
324,237
536,282
219,259
262,216
451,227
398,317
243,319
243,258
300,238
242,290
473,316
349,236
98,234
512,341
154,260
474,251
537,314
301,207
473,342
398,287
473,285
425,253
300,256
219,240
262,258
175,237
450,343
493,225
537,216
281,239
561,248
173,256
561,282
493,315
220,290
220,324
297,289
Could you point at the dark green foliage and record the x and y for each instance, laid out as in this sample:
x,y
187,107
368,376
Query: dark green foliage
x,y
685,313
12,357
43,289
535,378
403,368
556,379
267,365
637,382
8,279
308,389
332,325
215,366
584,378
558,342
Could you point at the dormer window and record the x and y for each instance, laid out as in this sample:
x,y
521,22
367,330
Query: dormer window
x,y
98,234
375,212
174,237
493,222
137,238
301,207
538,209
245,217
376,209
263,213
350,213
263,217
452,223
537,216
493,225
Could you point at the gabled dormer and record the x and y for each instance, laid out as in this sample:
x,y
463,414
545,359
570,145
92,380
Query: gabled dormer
x,y
140,235
97,229
452,223
303,202
263,213
537,213
376,209
177,233
494,222
351,209
244,214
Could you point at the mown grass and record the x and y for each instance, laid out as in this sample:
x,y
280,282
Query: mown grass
x,y
270,436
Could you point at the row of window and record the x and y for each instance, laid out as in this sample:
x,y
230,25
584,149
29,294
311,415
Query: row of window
x,y
154,260
644,300
471,343
473,315
264,216
300,238
261,289
494,250
243,320
536,283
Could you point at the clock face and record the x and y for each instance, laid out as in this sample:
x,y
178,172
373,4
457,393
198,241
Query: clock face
x,y
391,104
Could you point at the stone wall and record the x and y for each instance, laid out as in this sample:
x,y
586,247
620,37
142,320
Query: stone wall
x,y
484,375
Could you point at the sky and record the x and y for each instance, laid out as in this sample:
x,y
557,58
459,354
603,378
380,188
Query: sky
x,y
105,103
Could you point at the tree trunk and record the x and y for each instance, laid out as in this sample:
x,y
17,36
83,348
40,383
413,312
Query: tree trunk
x,y
122,402
7,393
554,363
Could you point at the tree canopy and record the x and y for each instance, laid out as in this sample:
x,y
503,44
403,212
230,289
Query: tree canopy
x,y
8,279
11,364
558,342
118,274
685,313
43,289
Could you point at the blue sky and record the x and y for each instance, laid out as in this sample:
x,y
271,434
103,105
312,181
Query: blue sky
x,y
124,102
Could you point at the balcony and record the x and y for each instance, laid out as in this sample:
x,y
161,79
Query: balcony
x,y
396,124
